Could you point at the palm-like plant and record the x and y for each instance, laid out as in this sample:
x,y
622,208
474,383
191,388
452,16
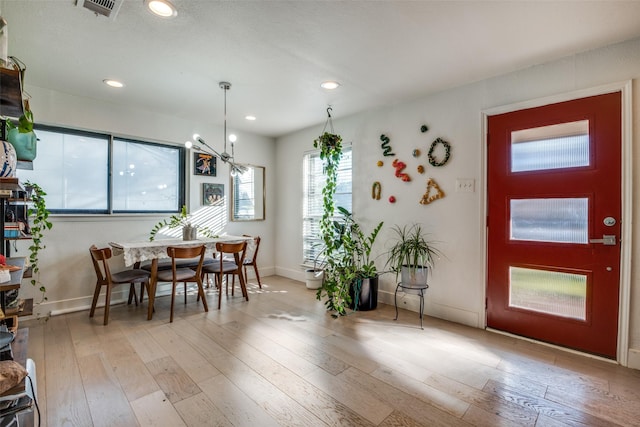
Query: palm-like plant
x,y
412,249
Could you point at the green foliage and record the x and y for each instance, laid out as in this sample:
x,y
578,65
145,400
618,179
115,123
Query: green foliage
x,y
412,248
349,263
331,153
346,254
176,221
40,223
356,245
25,123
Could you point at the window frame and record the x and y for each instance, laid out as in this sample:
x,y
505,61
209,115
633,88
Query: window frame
x,y
309,243
109,141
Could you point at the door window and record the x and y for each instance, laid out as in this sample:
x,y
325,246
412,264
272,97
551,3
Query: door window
x,y
559,220
551,292
564,145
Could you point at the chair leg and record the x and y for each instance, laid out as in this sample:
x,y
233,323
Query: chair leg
x,y
201,293
173,298
219,279
255,268
107,305
243,285
185,292
142,286
96,294
132,293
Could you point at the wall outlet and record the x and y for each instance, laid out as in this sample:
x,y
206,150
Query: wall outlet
x,y
465,185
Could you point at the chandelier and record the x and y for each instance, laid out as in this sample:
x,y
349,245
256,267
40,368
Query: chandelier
x,y
235,168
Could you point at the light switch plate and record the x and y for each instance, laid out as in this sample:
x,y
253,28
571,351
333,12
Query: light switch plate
x,y
465,185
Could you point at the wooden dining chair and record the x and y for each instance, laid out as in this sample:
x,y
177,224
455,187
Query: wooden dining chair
x,y
184,274
229,260
251,257
104,277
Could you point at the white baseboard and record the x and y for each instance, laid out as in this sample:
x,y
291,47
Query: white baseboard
x,y
119,296
633,358
412,302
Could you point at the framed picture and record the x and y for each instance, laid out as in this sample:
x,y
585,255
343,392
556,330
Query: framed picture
x,y
212,194
204,164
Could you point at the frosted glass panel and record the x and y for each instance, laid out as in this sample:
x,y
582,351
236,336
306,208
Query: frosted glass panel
x,y
551,292
550,220
550,147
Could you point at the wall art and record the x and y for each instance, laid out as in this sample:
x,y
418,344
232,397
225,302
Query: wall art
x,y
212,194
204,164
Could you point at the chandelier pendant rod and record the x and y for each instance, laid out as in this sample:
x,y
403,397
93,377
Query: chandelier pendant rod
x,y
226,86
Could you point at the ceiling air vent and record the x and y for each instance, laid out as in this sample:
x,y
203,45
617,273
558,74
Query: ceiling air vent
x,y
108,8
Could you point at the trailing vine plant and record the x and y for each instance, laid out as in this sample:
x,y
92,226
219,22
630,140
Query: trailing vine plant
x,y
40,223
330,145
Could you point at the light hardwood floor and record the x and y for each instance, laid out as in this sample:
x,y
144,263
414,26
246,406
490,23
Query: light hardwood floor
x,y
280,359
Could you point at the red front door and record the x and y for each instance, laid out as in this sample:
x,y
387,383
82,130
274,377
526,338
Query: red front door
x,y
554,215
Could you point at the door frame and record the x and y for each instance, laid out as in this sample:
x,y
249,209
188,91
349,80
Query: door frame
x,y
627,180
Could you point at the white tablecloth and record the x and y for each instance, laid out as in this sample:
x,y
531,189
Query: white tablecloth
x,y
146,250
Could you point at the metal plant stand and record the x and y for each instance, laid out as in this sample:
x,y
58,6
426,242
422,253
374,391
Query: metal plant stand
x,y
418,289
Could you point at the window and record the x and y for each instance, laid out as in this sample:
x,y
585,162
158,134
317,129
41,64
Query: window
x,y
565,145
84,172
247,194
314,179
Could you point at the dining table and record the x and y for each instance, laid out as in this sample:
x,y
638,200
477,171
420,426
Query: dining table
x,y
138,251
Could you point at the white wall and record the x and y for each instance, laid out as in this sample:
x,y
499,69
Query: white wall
x,y
66,270
457,286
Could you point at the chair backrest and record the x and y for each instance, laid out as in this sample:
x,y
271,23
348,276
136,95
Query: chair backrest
x,y
99,258
237,249
252,250
181,252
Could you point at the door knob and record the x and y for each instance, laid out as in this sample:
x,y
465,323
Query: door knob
x,y
607,240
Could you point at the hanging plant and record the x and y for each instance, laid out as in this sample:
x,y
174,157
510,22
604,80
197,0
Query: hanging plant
x,y
40,222
330,145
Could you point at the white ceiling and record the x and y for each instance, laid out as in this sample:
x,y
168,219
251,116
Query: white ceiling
x,y
276,53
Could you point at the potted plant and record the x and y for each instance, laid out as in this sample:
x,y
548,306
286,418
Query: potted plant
x,y
357,247
39,224
189,231
330,146
315,275
350,274
411,255
22,136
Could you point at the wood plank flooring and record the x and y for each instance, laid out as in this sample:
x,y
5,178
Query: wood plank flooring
x,y
281,360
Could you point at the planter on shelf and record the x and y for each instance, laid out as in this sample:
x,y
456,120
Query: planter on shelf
x,y
414,276
22,136
25,144
411,255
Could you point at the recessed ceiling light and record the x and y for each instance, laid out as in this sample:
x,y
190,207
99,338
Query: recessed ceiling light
x,y
250,118
329,85
113,83
162,8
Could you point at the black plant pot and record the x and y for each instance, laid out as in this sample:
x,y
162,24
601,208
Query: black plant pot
x,y
367,298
